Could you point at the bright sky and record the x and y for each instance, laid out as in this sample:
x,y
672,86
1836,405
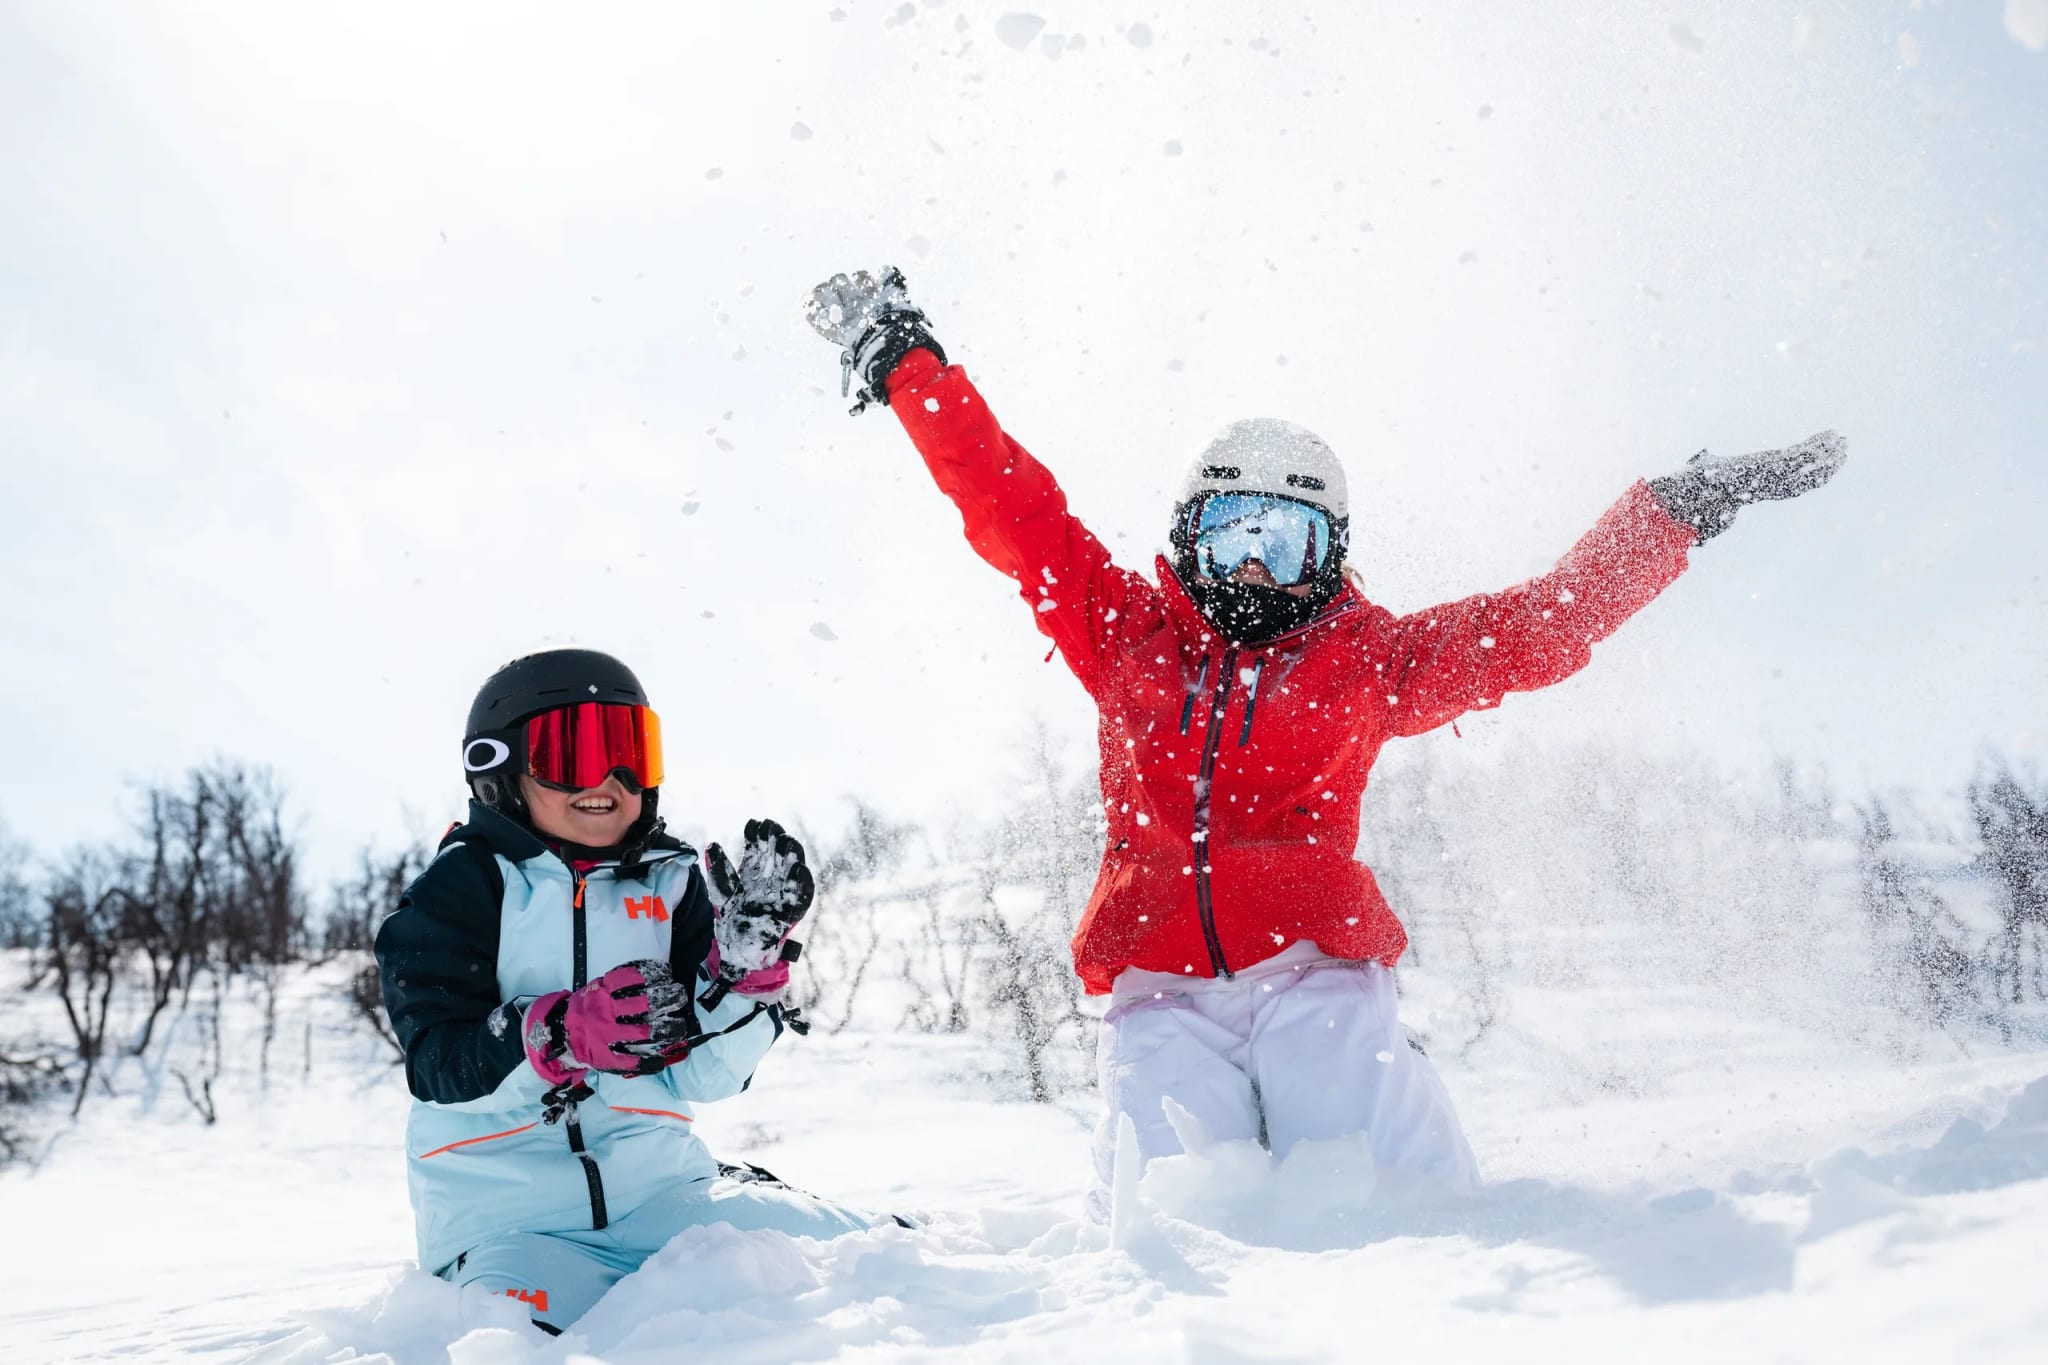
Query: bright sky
x,y
347,351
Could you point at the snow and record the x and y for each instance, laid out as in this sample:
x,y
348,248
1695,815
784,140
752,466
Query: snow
x,y
1676,1172
1019,29
1683,1189
2027,22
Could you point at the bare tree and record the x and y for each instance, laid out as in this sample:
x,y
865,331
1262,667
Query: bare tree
x,y
198,1085
260,916
365,992
858,935
1049,847
1917,939
26,1074
358,904
940,1006
2012,822
84,955
874,845
165,916
356,907
19,924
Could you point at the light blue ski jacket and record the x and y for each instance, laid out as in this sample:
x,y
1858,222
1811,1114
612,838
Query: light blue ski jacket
x,y
496,920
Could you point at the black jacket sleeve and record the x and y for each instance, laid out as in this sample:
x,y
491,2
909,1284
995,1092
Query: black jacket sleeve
x,y
438,957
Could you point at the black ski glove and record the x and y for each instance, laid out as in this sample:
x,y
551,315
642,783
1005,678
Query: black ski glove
x,y
1707,493
757,904
874,324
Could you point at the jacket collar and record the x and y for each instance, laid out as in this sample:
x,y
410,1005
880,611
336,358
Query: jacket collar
x,y
498,832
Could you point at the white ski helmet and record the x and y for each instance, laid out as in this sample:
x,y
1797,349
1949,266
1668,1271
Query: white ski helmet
x,y
1263,455
1267,455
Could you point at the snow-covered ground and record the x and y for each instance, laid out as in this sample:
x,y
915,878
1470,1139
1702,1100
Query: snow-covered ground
x,y
1665,1184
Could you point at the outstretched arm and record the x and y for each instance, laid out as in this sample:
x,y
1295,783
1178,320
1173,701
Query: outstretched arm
x,y
1014,512
1467,655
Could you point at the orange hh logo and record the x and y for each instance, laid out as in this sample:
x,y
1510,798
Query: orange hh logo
x,y
649,906
536,1299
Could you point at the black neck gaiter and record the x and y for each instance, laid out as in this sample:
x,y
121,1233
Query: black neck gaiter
x,y
1251,613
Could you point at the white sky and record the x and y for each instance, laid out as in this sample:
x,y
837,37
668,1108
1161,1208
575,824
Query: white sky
x,y
348,351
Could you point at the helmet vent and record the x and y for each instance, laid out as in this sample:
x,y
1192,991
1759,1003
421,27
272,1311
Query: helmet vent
x,y
1308,481
1222,471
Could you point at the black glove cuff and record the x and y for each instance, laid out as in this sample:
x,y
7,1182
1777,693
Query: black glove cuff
x,y
882,348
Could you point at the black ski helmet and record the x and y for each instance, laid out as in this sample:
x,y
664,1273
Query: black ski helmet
x,y
493,743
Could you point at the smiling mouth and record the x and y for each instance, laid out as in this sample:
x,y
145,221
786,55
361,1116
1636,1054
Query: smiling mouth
x,y
594,805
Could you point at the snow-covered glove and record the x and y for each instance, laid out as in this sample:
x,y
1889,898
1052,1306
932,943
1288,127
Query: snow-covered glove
x,y
634,1020
874,324
756,905
1707,493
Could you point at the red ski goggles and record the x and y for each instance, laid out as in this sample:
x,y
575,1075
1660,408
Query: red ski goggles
x,y
574,748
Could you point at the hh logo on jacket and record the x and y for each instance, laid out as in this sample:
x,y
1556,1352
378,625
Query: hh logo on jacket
x,y
646,907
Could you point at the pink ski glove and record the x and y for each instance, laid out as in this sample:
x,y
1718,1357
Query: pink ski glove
x,y
760,981
633,1020
757,904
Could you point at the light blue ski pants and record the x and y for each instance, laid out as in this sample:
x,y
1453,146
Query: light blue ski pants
x,y
561,1275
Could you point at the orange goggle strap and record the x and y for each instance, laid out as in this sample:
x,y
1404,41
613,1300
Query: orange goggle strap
x,y
577,747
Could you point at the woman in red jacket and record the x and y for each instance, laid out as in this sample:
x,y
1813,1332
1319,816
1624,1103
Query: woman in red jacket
x,y
1244,696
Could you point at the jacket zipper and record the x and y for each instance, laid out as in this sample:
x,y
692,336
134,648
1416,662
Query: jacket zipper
x,y
580,938
1187,709
1251,701
1203,784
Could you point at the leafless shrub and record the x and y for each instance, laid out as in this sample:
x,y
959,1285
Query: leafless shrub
x,y
1919,944
259,913
84,955
213,882
1048,847
198,1083
267,977
20,926
166,916
2012,823
26,1075
873,845
857,936
941,972
845,935
365,991
357,905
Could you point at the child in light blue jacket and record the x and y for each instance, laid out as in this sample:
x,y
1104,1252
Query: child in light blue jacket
x,y
566,979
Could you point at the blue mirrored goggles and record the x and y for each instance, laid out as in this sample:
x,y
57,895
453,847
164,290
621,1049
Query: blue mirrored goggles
x,y
1292,539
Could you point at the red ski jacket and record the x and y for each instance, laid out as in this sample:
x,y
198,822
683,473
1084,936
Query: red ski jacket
x,y
1231,773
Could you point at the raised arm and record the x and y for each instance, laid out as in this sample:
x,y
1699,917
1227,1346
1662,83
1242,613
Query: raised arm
x,y
1467,655
1012,509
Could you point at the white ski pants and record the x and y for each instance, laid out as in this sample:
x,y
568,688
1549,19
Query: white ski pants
x,y
1300,1046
